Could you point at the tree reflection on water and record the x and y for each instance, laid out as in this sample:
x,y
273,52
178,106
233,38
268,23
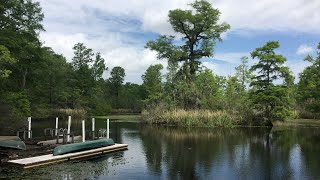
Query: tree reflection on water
x,y
187,153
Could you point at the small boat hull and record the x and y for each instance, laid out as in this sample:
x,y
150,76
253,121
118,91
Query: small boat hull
x,y
68,148
13,144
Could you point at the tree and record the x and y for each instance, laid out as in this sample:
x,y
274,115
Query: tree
x,y
88,71
199,29
117,77
83,56
242,72
5,60
233,93
20,23
272,100
152,82
49,81
98,67
209,89
131,96
309,85
21,16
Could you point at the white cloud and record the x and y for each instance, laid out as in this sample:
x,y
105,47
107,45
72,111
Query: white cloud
x,y
274,15
228,63
135,60
232,57
107,26
263,15
297,67
220,69
304,49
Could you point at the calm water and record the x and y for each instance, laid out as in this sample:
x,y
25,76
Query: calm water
x,y
180,153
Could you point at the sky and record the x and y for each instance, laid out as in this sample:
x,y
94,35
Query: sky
x,y
119,29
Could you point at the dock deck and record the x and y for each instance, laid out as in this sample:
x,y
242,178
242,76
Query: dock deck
x,y
50,159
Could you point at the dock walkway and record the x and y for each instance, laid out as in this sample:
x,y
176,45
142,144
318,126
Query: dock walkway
x,y
50,159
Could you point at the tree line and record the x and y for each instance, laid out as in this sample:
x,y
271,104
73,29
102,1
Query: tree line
x,y
36,81
259,94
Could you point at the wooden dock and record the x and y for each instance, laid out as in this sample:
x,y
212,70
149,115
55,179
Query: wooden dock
x,y
50,159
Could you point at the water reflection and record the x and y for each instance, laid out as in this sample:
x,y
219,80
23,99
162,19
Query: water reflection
x,y
196,153
230,153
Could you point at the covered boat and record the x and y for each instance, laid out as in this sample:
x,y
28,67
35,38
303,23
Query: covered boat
x,y
13,142
67,148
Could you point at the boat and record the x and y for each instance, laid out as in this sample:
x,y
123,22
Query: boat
x,y
12,142
75,147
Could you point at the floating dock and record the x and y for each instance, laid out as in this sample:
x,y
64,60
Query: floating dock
x,y
50,159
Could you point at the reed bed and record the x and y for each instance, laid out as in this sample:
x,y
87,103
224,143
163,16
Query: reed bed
x,y
74,113
182,117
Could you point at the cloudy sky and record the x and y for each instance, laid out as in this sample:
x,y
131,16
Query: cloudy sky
x,y
119,29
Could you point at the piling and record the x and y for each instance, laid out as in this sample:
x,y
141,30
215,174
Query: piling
x,y
83,131
93,124
69,125
57,126
29,127
107,128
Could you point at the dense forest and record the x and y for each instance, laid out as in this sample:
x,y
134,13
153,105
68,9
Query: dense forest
x,y
36,81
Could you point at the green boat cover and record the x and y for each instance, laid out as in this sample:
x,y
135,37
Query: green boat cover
x,y
68,148
13,144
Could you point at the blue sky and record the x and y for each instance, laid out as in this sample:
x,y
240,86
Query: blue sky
x,y
119,30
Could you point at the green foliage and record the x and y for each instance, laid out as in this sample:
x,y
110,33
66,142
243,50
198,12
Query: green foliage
x,y
209,89
19,105
83,56
243,73
21,15
117,76
309,87
98,67
130,97
5,60
199,29
273,101
116,83
19,34
152,82
35,80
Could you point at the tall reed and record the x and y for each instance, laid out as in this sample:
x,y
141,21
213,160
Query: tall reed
x,y
75,113
182,117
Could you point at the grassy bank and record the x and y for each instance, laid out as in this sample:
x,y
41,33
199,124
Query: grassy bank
x,y
121,117
299,122
180,117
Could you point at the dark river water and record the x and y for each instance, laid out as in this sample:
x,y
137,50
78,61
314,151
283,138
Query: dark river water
x,y
194,153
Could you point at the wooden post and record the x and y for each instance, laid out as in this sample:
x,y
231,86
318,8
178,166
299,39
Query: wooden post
x,y
93,124
69,125
93,128
29,127
107,128
57,126
83,131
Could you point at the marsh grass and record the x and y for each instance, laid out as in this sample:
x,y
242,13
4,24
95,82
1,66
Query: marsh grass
x,y
74,113
182,117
